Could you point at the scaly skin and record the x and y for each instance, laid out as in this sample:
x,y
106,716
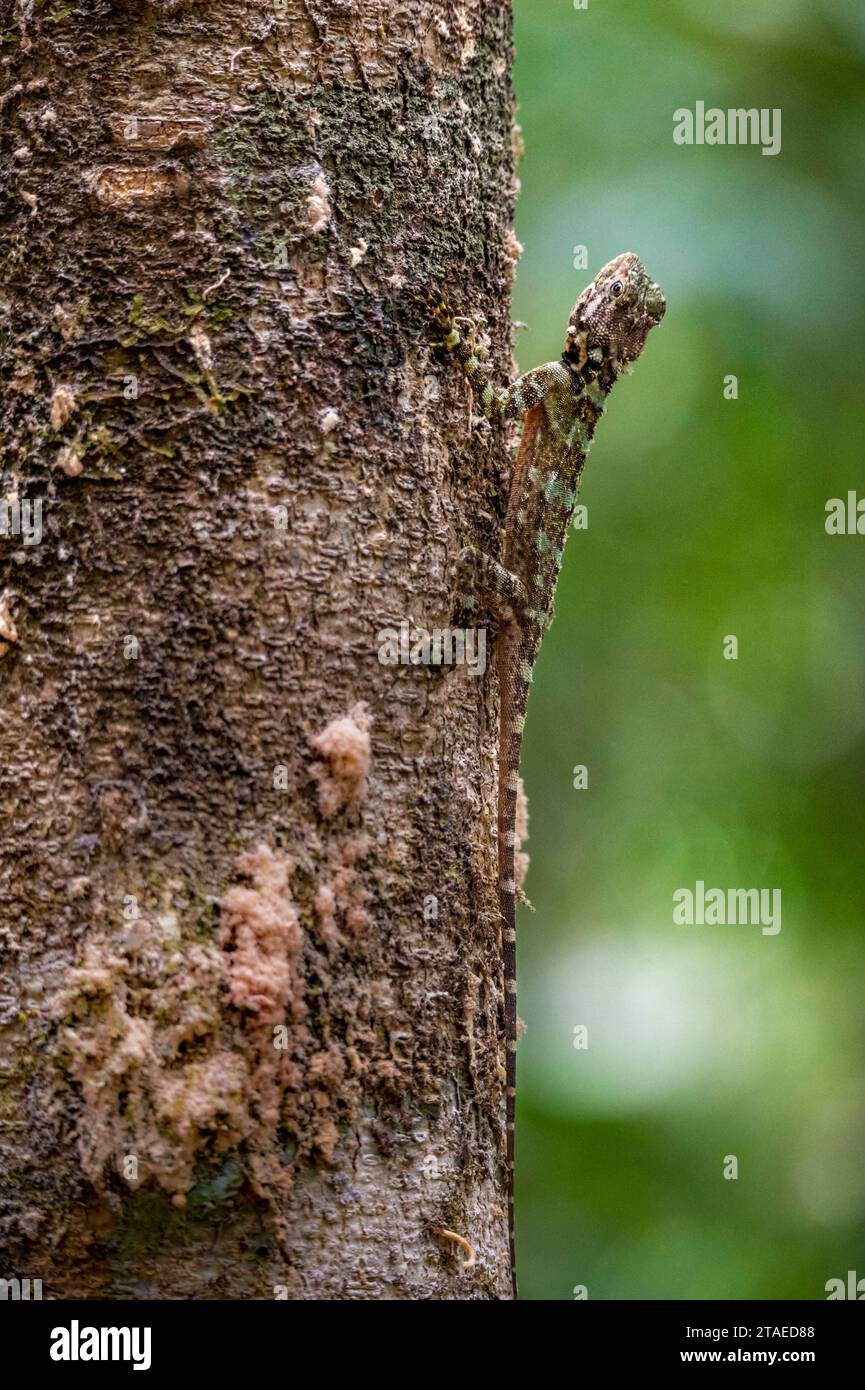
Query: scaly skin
x,y
561,404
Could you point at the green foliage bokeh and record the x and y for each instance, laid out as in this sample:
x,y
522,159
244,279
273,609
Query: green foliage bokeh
x,y
706,518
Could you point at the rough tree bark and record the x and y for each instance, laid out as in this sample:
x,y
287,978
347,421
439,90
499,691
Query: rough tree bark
x,y
251,998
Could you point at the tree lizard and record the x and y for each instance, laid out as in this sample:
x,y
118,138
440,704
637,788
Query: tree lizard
x,y
560,404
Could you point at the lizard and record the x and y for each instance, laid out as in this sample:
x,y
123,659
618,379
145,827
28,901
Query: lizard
x,y
560,404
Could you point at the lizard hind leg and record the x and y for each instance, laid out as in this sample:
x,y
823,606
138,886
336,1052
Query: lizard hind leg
x,y
483,584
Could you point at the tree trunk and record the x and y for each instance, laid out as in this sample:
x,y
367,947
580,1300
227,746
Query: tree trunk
x,y
251,972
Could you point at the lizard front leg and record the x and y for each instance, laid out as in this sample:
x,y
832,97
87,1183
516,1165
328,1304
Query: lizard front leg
x,y
511,402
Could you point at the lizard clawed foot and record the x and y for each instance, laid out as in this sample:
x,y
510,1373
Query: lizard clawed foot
x,y
440,319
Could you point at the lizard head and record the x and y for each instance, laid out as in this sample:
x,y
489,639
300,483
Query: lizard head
x,y
614,313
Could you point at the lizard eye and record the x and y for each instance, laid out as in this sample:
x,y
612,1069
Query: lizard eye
x,y
616,288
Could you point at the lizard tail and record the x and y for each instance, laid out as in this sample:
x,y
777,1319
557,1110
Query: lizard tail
x,y
509,957
514,688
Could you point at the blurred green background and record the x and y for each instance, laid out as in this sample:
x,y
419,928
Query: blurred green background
x,y
706,518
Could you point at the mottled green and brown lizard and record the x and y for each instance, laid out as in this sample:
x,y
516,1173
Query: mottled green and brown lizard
x,y
561,404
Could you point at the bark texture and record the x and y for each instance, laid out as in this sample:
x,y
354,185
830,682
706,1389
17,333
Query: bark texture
x,y
250,986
